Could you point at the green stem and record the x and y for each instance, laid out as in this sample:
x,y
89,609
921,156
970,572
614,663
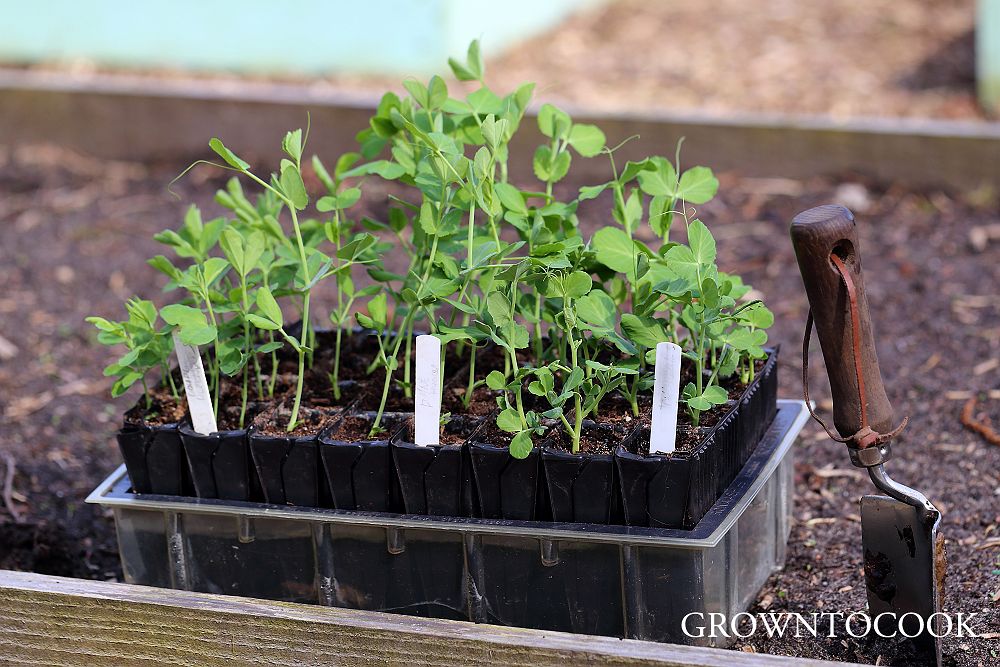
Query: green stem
x,y
700,361
633,396
215,362
293,420
385,393
538,327
407,388
388,373
245,391
471,235
577,404
170,381
273,380
467,399
299,381
257,378
335,378
249,344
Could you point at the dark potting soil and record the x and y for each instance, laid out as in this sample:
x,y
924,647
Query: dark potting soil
x,y
351,428
592,441
311,421
929,266
484,400
491,434
163,408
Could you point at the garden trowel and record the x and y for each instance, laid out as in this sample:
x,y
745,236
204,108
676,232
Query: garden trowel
x,y
903,552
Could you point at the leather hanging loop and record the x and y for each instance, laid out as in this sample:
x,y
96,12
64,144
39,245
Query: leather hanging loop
x,y
865,436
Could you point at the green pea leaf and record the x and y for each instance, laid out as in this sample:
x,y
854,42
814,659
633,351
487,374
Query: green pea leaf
x,y
344,199
615,250
554,122
645,332
661,180
521,445
292,144
701,242
256,244
699,403
709,293
198,335
472,69
183,316
437,92
165,266
262,322
323,175
597,308
378,309
573,380
427,219
577,284
498,307
493,130
366,322
213,269
232,245
715,395
592,191
758,316
511,198
103,324
292,185
661,215
587,140
418,91
484,101
632,169
697,185
231,158
496,381
508,420
742,338
268,305
541,163
387,170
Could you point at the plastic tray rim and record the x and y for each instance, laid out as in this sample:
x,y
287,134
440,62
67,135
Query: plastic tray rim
x,y
791,417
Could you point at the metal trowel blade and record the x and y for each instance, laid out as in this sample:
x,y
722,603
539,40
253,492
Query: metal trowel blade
x,y
904,571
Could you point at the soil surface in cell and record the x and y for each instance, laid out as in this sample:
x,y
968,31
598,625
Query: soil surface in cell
x,y
931,270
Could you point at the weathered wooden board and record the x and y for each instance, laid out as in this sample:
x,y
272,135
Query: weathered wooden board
x,y
141,118
71,622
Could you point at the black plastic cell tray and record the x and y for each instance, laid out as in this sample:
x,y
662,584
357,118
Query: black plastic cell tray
x,y
635,582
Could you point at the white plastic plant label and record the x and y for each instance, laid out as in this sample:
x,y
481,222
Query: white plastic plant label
x,y
427,398
195,387
666,394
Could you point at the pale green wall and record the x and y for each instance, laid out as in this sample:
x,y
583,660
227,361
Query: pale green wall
x,y
988,55
309,36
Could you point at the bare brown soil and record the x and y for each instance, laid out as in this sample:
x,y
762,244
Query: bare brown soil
x,y
75,233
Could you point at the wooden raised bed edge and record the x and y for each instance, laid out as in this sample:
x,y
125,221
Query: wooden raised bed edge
x,y
67,622
134,117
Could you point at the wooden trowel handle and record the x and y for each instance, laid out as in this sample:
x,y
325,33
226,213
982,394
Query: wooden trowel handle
x,y
816,235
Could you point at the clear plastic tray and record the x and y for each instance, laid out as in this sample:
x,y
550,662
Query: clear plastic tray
x,y
608,580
